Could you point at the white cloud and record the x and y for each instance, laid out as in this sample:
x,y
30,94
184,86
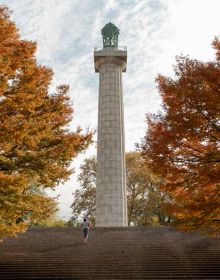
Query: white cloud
x,y
155,31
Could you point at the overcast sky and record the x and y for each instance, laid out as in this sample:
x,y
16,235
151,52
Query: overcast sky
x,y
154,31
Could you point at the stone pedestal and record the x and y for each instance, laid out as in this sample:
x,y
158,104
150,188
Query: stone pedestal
x,y
111,199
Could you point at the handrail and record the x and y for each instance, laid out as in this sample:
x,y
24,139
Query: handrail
x,y
120,48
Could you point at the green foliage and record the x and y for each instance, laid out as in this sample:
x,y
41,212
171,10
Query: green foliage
x,y
52,223
145,200
84,197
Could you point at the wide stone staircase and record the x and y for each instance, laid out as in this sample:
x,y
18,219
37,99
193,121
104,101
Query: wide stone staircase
x,y
111,253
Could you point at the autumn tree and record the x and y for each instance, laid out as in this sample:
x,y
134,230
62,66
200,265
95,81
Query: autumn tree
x,y
36,146
145,200
84,196
182,143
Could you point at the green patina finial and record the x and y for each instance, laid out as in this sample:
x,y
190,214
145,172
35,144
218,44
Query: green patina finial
x,y
110,35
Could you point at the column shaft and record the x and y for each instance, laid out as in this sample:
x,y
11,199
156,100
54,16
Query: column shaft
x,y
111,201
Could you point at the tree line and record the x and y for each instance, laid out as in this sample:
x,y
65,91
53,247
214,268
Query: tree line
x,y
145,199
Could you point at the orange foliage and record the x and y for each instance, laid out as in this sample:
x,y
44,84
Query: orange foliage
x,y
183,143
36,147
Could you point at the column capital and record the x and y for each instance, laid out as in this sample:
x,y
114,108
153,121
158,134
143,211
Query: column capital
x,y
110,55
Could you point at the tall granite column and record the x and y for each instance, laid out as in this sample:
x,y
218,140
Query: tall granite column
x,y
111,200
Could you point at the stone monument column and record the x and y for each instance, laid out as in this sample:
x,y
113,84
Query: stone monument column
x,y
111,198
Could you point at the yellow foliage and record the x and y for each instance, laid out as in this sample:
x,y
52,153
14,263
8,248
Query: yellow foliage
x,y
36,148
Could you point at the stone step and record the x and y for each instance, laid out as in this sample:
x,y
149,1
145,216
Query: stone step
x,y
112,253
